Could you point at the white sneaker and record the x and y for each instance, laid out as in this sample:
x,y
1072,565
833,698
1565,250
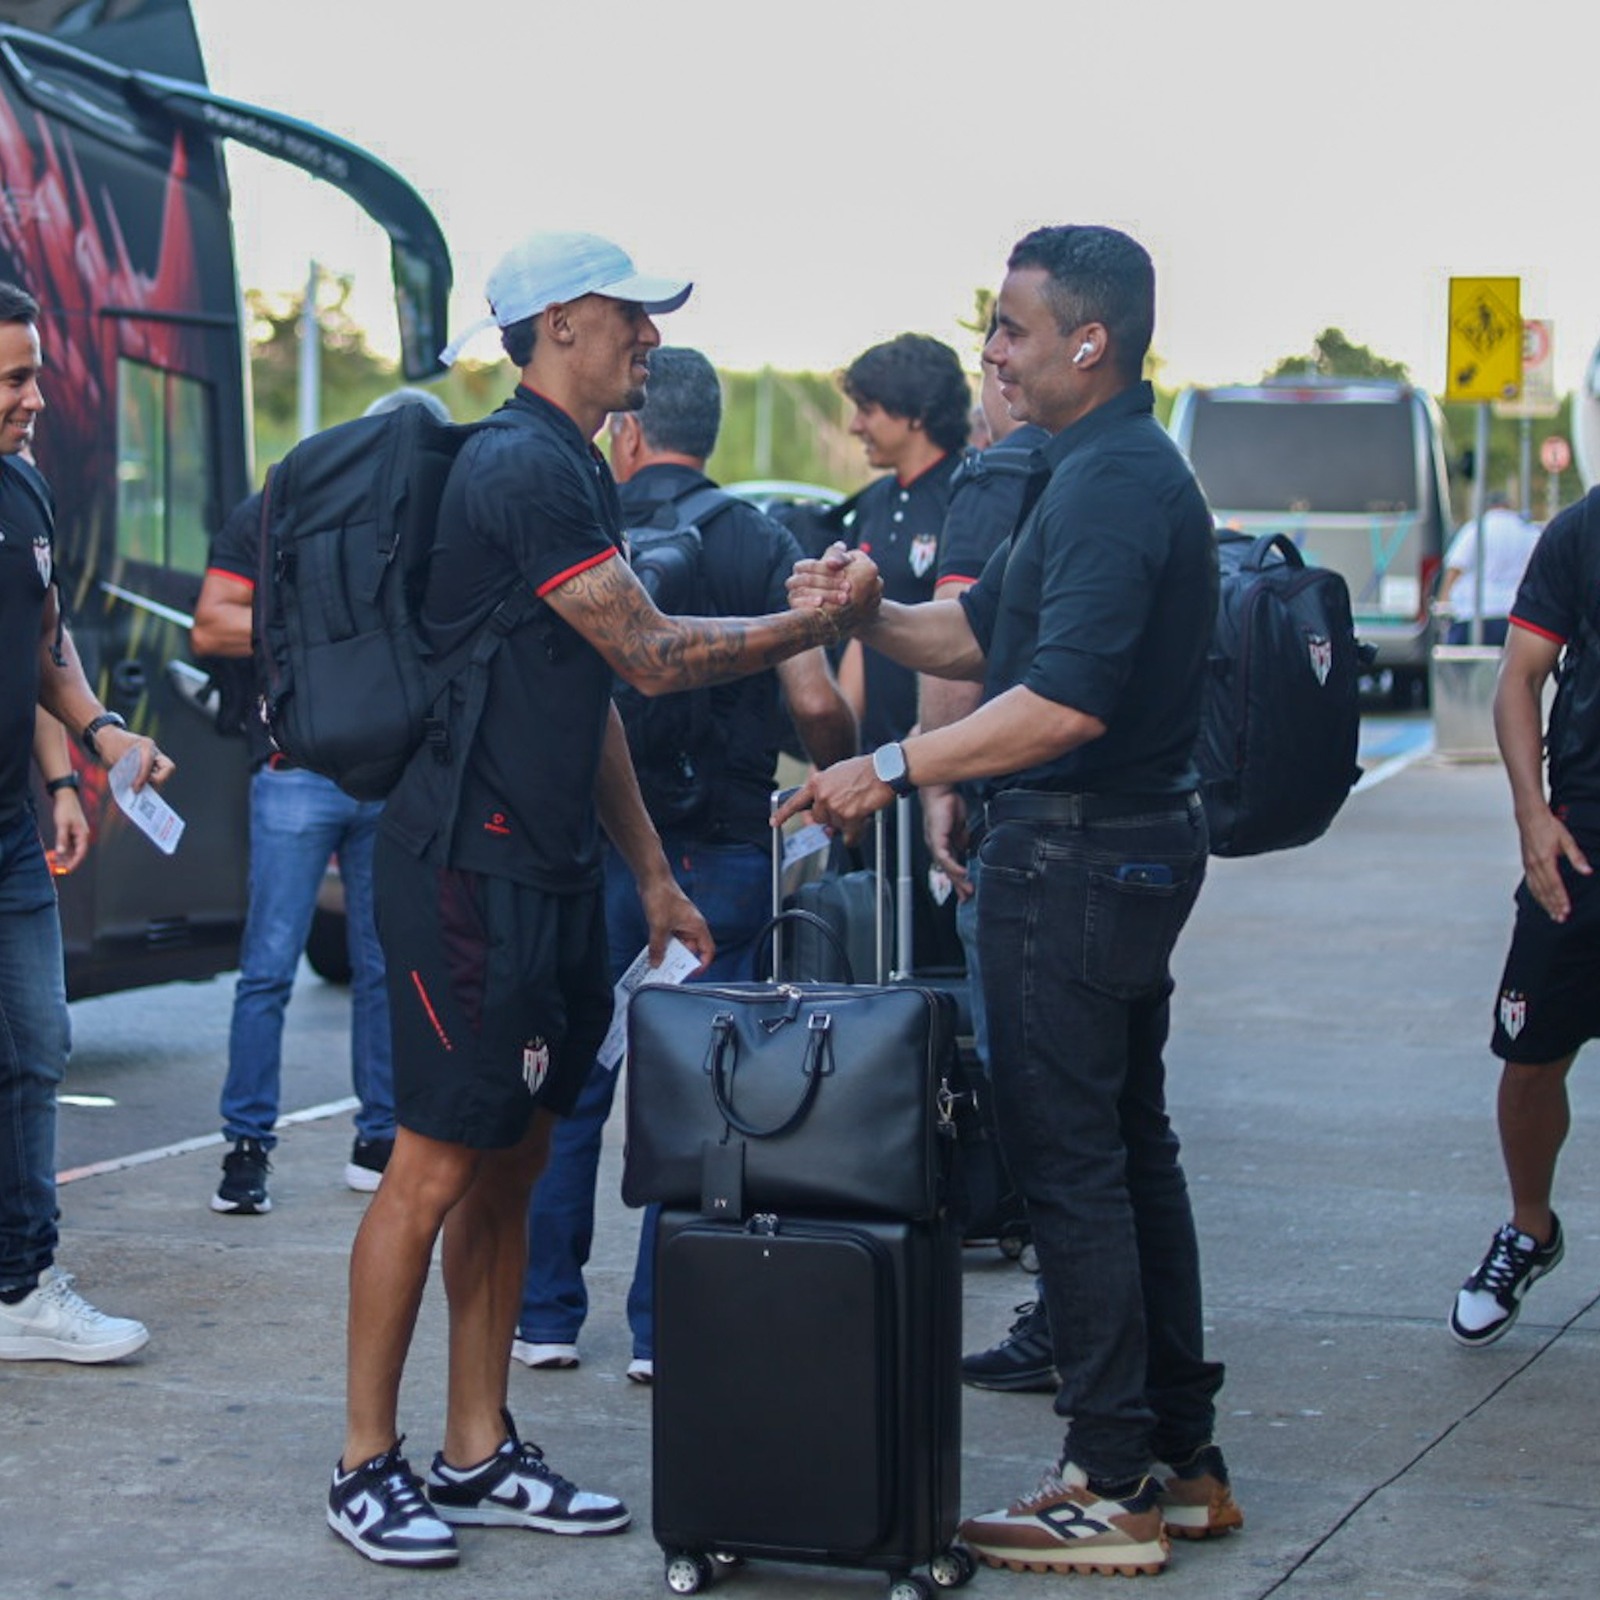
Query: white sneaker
x,y
641,1370
55,1323
545,1357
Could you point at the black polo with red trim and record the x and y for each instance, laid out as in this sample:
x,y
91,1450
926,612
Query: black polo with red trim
x,y
898,525
534,503
1559,599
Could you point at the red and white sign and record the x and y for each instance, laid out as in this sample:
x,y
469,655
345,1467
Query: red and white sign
x,y
1555,454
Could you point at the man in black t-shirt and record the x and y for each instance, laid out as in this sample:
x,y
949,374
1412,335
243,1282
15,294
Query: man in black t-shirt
x,y
720,850
1090,633
1548,1004
489,875
42,1318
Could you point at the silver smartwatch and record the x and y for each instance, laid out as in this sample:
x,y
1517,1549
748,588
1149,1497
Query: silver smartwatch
x,y
889,764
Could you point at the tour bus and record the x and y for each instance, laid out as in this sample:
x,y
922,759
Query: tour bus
x,y
1353,470
114,216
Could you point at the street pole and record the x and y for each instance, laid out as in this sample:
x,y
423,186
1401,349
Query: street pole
x,y
310,358
1525,469
1480,505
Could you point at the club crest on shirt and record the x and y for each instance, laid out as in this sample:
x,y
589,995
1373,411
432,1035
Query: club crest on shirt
x,y
923,550
41,559
1319,649
1513,1012
535,1064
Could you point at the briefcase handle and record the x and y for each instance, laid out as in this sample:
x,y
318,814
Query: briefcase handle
x,y
810,919
813,1068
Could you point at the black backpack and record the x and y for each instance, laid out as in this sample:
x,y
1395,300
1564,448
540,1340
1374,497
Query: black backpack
x,y
348,517
673,738
1280,719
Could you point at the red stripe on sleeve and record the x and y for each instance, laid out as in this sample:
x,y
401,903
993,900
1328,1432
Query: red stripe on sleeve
x,y
572,572
1544,633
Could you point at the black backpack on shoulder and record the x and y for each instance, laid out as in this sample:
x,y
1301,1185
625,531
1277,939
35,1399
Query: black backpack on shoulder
x,y
348,520
673,738
1280,720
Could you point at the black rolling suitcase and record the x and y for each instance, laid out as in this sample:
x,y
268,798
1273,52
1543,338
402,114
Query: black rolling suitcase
x,y
807,1395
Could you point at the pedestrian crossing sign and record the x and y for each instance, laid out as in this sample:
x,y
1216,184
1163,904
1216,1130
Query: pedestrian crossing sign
x,y
1485,346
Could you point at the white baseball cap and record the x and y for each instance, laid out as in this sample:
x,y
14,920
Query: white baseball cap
x,y
551,268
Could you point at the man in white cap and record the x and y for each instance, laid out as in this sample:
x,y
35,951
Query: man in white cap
x,y
489,877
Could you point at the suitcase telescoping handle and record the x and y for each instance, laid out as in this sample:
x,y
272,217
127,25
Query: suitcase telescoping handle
x,y
879,931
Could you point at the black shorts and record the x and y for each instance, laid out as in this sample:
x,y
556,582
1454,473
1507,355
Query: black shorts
x,y
1549,999
499,997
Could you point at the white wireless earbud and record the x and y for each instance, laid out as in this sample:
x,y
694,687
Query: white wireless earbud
x,y
1084,349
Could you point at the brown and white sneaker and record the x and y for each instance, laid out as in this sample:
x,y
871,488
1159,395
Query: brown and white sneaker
x,y
1066,1526
1197,1501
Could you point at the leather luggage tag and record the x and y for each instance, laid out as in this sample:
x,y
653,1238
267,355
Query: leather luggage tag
x,y
722,1180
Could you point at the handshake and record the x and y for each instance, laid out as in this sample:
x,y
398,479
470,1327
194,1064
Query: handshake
x,y
844,583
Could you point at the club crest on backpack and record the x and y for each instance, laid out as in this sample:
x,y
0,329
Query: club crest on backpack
x,y
41,559
1319,648
1513,1012
535,1064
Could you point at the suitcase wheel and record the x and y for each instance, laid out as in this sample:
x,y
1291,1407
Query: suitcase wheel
x,y
911,1587
953,1568
688,1572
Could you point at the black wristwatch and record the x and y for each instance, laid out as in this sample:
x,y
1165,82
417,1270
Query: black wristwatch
x,y
106,719
889,763
68,780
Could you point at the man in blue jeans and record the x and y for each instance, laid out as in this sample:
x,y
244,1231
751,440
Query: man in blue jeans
x,y
298,820
42,1318
1089,630
707,779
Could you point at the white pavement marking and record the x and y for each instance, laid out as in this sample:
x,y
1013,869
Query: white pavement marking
x,y
98,1169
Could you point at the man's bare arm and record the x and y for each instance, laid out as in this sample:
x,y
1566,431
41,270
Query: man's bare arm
x,y
1528,661
823,717
223,615
621,808
65,693
658,654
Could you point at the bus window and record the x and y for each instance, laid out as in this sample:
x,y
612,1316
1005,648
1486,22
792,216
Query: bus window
x,y
164,467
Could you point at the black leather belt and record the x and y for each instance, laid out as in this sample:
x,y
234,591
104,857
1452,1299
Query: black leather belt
x,y
1074,810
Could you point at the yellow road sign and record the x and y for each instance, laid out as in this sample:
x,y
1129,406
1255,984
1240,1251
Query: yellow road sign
x,y
1485,352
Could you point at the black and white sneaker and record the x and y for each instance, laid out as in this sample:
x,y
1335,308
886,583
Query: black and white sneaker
x,y
381,1509
514,1488
243,1190
1490,1300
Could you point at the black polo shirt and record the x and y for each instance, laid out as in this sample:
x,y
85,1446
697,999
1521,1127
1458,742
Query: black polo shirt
x,y
27,558
531,504
1559,599
1105,602
899,526
747,558
984,505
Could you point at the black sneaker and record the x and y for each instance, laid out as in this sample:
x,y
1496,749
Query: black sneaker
x,y
380,1508
1022,1362
1491,1298
515,1489
243,1190
368,1158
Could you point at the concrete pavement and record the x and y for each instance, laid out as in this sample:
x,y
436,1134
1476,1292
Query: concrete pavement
x,y
1332,1084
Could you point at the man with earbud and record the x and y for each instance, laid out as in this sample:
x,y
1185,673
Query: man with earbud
x,y
1089,630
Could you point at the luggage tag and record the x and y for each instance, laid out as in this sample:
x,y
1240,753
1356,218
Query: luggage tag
x,y
722,1180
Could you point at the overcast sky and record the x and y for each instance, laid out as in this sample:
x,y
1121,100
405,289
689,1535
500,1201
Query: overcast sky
x,y
835,171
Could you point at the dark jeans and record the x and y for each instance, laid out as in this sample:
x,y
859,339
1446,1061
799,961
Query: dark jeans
x,y
732,886
34,1036
1076,984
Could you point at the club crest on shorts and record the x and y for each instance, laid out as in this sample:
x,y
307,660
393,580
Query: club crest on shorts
x,y
1319,650
923,549
1513,1012
535,1064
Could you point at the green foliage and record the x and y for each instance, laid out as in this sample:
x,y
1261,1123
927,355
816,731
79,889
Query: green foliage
x,y
1335,355
1504,470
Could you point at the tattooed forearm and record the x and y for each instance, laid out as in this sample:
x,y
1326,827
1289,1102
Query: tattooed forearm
x,y
659,654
